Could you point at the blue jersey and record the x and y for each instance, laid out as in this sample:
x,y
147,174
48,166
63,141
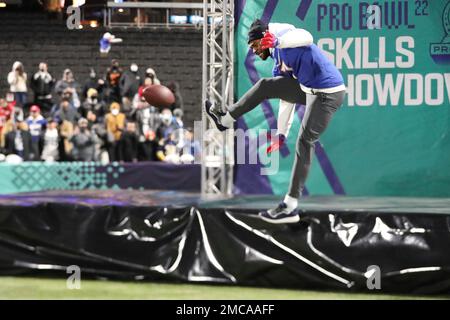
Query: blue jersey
x,y
308,65
306,62
105,44
35,126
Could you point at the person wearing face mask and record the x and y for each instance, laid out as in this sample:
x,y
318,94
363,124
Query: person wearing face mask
x,y
129,84
69,96
93,82
94,105
68,86
67,81
17,80
83,141
42,84
66,113
168,125
113,75
115,123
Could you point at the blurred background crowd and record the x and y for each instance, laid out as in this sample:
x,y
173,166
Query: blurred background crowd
x,y
103,118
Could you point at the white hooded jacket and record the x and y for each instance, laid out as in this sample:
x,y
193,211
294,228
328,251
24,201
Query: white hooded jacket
x,y
18,83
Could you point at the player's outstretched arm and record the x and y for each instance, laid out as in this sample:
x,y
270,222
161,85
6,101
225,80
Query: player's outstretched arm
x,y
295,38
286,113
285,118
292,38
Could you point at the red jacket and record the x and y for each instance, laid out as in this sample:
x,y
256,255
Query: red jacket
x,y
5,115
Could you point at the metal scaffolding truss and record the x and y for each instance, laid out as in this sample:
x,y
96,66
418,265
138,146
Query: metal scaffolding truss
x,y
218,87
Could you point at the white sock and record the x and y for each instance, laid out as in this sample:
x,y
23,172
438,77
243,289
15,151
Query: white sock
x,y
227,120
290,202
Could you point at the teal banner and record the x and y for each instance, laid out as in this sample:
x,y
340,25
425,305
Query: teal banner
x,y
392,135
41,176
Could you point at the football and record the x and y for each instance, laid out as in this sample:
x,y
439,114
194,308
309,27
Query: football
x,y
158,96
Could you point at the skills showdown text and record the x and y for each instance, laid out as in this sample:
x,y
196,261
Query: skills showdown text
x,y
390,83
384,70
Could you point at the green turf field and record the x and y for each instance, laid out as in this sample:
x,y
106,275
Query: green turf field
x,y
34,288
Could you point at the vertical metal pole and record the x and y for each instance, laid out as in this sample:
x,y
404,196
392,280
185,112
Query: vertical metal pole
x,y
218,151
204,82
231,95
167,18
223,173
138,18
211,152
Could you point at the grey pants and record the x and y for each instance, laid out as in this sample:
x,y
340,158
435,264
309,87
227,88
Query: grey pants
x,y
320,108
287,89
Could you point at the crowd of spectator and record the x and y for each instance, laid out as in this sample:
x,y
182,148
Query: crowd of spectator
x,y
102,119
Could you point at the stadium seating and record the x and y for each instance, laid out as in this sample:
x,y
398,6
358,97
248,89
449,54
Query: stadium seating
x,y
174,54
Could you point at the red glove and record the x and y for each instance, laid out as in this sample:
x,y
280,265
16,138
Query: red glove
x,y
276,143
269,40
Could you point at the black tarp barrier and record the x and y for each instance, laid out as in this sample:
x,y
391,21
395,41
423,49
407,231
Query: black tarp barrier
x,y
176,237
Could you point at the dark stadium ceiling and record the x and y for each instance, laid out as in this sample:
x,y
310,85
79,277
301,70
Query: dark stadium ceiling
x,y
39,5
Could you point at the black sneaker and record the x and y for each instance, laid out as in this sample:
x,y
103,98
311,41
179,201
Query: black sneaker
x,y
280,214
214,115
